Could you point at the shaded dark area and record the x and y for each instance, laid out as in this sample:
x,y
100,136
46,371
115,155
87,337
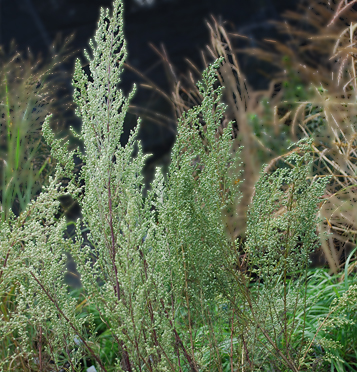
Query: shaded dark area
x,y
179,25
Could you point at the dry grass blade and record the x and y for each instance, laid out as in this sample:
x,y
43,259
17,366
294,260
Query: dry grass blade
x,y
29,92
328,117
308,60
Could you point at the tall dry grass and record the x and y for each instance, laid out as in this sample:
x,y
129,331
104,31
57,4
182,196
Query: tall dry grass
x,y
313,95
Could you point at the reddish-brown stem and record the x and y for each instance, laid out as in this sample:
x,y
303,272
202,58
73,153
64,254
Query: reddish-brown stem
x,y
6,258
156,342
246,352
179,341
52,354
125,356
69,322
117,288
188,303
40,349
231,355
67,352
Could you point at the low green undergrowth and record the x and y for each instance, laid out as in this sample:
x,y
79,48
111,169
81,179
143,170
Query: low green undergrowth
x,y
321,290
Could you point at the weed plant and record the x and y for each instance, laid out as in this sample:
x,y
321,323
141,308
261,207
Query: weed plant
x,y
165,288
312,95
29,91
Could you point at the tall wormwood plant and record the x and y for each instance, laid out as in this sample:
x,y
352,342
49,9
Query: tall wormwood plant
x,y
281,235
166,260
146,280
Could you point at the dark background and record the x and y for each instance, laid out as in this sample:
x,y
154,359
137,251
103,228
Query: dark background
x,y
179,25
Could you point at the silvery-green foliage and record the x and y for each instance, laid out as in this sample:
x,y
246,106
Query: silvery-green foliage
x,y
267,313
341,315
192,207
282,242
32,257
114,211
163,270
281,234
142,281
138,273
32,254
